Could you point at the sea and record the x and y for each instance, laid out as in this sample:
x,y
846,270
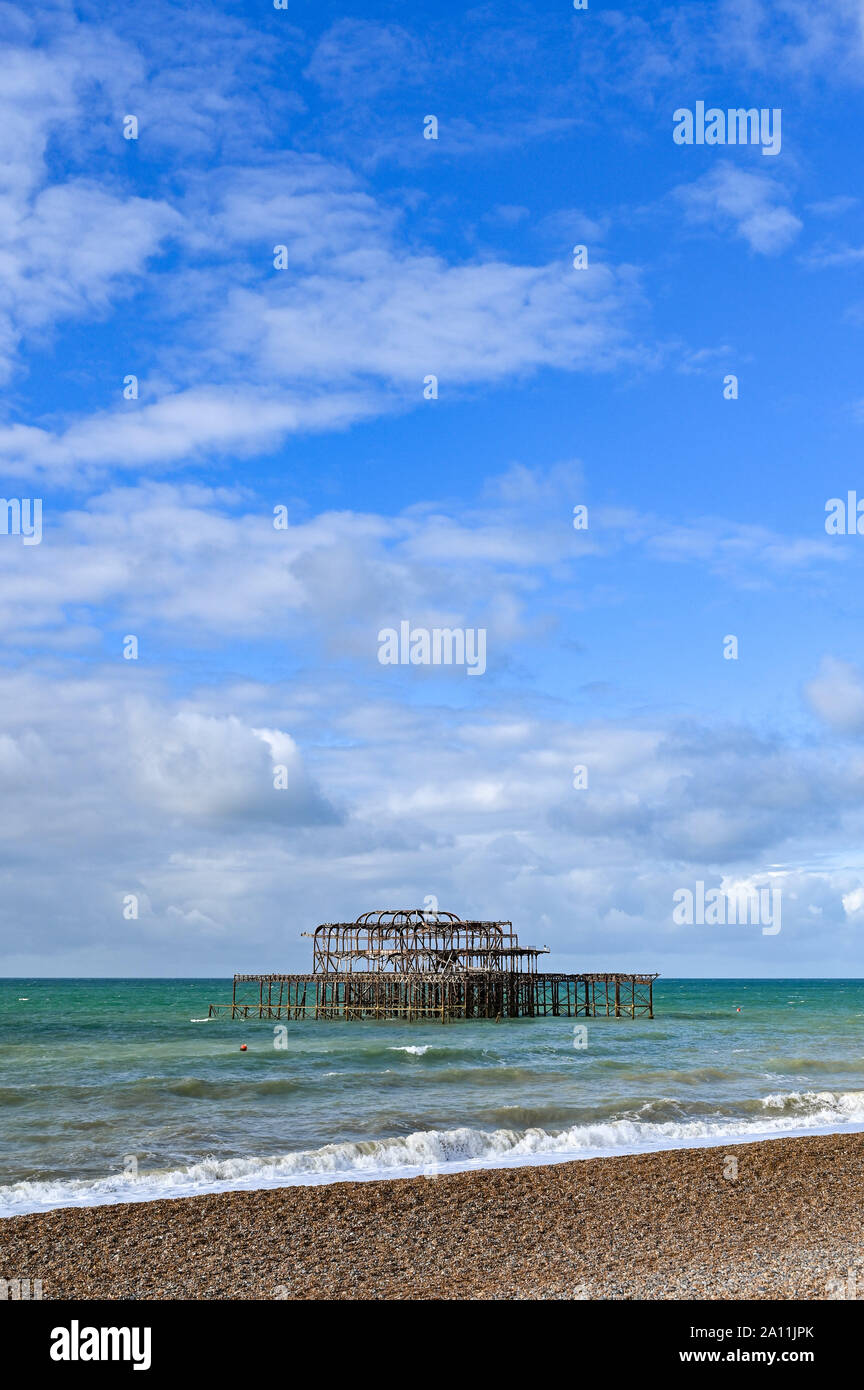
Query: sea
x,y
118,1090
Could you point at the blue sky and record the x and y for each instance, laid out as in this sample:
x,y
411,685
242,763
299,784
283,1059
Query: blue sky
x,y
303,388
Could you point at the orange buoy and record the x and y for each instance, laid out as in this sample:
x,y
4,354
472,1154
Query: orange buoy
x,y
242,1047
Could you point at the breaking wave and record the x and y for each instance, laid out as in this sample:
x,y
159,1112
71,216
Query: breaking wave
x,y
430,1152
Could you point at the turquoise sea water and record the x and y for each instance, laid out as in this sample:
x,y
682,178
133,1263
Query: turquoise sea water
x,y
115,1090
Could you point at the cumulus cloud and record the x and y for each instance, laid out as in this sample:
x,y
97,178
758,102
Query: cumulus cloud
x,y
113,785
202,767
387,797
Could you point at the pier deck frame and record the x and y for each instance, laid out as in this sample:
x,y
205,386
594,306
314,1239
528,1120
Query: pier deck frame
x,y
454,995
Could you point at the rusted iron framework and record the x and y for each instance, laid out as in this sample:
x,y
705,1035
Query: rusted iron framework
x,y
407,963
410,943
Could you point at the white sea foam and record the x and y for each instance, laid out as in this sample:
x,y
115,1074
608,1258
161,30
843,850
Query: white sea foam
x,y
414,1051
787,1114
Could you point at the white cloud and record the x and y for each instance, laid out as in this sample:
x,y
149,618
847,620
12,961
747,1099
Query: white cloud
x,y
752,206
68,247
853,904
113,785
833,207
355,59
177,429
205,563
825,257
399,317
837,696
71,253
351,329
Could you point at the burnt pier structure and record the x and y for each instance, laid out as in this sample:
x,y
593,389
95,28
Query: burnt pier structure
x,y
412,964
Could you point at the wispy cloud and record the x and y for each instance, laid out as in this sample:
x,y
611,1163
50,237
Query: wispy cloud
x,y
751,206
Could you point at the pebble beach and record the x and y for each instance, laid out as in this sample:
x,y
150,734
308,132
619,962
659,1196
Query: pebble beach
x,y
671,1225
